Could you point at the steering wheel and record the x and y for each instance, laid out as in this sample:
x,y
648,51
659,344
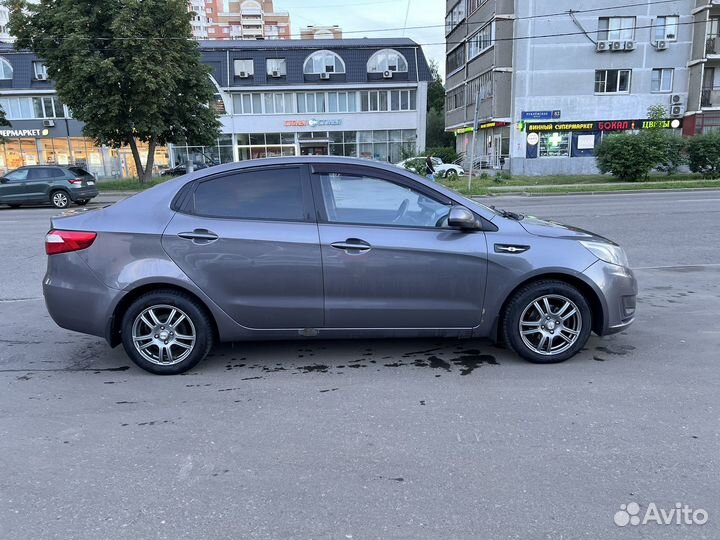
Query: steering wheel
x,y
401,211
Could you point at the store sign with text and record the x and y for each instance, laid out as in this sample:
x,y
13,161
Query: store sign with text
x,y
24,132
604,125
314,122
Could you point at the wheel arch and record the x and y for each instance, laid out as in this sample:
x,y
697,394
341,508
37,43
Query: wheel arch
x,y
112,331
597,308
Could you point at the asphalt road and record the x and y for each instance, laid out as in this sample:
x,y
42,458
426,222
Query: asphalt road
x,y
411,440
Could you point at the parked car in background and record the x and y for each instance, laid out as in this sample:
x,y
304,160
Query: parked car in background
x,y
442,170
55,184
326,247
181,169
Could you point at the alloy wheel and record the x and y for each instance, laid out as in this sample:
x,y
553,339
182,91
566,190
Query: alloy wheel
x,y
163,335
59,199
550,324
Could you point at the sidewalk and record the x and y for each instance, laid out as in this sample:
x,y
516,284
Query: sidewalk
x,y
607,187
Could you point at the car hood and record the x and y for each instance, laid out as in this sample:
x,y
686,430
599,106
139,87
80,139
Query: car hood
x,y
553,229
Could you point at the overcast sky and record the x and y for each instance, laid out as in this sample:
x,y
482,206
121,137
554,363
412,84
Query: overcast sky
x,y
368,18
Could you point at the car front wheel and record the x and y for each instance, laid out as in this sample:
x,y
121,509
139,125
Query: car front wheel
x,y
451,174
59,199
547,322
166,332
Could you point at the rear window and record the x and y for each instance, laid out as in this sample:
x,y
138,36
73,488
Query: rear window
x,y
274,194
79,171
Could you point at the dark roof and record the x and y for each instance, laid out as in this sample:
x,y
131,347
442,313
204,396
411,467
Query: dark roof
x,y
256,44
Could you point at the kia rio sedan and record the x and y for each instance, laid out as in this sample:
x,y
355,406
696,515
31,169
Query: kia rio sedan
x,y
323,247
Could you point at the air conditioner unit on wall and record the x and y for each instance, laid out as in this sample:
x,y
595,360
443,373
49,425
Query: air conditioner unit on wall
x,y
676,110
387,74
616,45
275,74
243,75
661,45
48,123
602,46
676,99
629,46
325,76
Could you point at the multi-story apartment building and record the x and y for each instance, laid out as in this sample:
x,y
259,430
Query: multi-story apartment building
x,y
321,32
564,75
364,98
704,90
238,19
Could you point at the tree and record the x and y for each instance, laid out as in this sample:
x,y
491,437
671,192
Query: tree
x,y
128,69
435,126
3,123
704,154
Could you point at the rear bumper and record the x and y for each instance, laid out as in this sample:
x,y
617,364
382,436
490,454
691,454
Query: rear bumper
x,y
81,194
619,290
75,299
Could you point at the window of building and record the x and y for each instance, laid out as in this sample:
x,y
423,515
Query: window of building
x,y
455,16
244,68
554,145
250,195
480,41
6,70
455,98
387,100
323,62
662,80
342,102
456,58
612,81
276,67
666,28
311,102
372,201
473,5
40,72
387,60
29,108
616,28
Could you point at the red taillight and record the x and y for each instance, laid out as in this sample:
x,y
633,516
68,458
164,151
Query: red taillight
x,y
76,181
66,241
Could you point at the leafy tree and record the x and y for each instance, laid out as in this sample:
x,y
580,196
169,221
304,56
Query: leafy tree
x,y
435,126
628,157
128,69
3,123
446,153
704,154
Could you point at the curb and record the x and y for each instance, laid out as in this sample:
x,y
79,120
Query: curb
x,y
616,192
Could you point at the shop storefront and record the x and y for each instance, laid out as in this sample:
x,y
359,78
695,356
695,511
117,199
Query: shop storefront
x,y
492,144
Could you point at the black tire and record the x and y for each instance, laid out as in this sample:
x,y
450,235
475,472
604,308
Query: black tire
x,y
59,199
522,305
198,320
451,174
82,202
14,205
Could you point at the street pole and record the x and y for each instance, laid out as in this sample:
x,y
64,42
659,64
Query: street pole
x,y
474,138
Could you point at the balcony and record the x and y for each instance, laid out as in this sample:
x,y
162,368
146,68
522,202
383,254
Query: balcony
x,y
710,97
712,46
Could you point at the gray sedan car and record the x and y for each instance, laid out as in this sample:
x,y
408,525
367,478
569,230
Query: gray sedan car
x,y
306,248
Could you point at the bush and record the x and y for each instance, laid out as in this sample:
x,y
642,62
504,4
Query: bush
x,y
628,157
704,154
502,176
446,153
674,153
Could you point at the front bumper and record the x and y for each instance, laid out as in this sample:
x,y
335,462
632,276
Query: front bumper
x,y
618,291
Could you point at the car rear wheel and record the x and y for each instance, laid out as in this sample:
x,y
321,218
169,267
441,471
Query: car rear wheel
x,y
547,322
82,202
166,332
59,199
451,174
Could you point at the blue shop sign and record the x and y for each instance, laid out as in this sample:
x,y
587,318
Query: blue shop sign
x,y
541,115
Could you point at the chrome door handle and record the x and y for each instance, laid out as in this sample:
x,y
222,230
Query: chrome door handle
x,y
199,235
352,244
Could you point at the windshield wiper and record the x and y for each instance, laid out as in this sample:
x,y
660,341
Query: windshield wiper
x,y
508,214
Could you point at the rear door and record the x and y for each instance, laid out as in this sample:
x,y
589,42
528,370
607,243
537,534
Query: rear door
x,y
249,240
40,180
389,258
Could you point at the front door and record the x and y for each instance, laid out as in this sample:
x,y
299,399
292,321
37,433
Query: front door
x,y
389,258
250,241
14,187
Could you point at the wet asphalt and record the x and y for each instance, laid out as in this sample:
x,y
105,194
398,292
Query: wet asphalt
x,y
403,439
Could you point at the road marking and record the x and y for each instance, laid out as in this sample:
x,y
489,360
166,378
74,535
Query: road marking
x,y
711,265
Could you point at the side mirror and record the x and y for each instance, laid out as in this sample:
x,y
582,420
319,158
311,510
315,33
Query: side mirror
x,y
462,218
3,180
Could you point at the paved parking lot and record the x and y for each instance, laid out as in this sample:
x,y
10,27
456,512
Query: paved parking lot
x,y
409,440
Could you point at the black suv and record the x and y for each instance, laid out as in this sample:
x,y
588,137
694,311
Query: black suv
x,y
55,184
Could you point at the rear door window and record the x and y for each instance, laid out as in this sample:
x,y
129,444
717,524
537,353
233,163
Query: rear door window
x,y
44,173
79,171
268,194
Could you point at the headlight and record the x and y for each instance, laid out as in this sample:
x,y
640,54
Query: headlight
x,y
607,252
